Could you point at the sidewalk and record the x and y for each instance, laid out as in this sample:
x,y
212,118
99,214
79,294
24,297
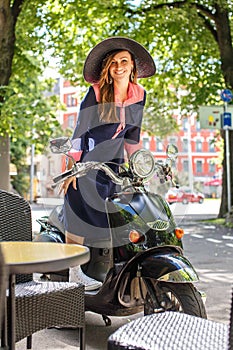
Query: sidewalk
x,y
96,331
48,202
68,339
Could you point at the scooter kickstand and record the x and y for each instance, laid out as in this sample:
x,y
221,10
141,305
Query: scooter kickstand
x,y
106,320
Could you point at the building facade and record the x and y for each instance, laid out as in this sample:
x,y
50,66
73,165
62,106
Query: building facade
x,y
199,159
197,163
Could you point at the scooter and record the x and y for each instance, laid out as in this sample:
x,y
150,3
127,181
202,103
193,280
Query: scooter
x,y
142,263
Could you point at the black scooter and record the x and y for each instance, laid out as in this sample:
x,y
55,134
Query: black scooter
x,y
141,264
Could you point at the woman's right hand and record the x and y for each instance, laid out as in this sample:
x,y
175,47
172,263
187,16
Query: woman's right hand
x,y
67,183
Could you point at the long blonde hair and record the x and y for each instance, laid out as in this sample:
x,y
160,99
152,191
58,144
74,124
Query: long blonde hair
x,y
107,108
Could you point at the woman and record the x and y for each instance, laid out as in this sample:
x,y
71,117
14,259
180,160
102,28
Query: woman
x,y
109,123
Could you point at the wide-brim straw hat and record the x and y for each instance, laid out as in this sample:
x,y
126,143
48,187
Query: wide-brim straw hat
x,y
93,64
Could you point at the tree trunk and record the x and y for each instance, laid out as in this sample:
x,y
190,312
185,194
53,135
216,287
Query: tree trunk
x,y
224,202
226,53
223,28
7,43
8,17
4,163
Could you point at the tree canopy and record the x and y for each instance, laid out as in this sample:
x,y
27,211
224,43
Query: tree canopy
x,y
191,42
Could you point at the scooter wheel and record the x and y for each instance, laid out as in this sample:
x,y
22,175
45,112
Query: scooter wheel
x,y
175,297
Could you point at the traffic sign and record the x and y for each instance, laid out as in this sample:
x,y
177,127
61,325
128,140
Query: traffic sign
x,y
226,119
226,95
210,116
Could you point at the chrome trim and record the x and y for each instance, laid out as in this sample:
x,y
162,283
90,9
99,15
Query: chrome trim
x,y
159,225
181,275
133,163
203,296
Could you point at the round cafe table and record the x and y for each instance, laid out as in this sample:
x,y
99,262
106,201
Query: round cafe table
x,y
37,257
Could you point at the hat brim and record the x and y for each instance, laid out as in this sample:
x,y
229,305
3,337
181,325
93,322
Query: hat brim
x,y
93,64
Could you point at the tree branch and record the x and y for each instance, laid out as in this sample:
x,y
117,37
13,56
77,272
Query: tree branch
x,y
202,11
16,9
209,26
180,4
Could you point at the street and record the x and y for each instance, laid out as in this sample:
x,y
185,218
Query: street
x,y
210,250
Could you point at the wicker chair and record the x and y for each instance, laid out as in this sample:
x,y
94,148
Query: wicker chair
x,y
39,305
3,287
173,331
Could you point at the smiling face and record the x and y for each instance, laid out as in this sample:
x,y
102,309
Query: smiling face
x,y
121,66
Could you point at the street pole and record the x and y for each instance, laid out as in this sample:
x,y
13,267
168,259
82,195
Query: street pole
x,y
32,172
227,96
228,169
228,174
190,160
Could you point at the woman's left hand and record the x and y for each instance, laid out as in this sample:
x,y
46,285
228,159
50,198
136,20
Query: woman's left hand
x,y
67,183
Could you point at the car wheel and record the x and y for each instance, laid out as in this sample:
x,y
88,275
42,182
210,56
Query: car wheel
x,y
185,201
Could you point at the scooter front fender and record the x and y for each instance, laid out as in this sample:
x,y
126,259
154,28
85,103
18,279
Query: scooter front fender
x,y
164,263
170,267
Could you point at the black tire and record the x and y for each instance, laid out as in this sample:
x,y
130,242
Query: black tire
x,y
179,297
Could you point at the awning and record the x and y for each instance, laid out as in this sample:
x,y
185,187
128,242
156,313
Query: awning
x,y
214,182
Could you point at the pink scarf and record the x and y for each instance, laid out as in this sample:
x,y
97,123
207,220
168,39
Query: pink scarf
x,y
135,94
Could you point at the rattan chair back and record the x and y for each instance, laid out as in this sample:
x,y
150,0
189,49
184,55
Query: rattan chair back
x,y
39,305
231,324
15,222
174,330
3,286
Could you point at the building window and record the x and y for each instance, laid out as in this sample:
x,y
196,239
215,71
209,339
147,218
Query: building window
x,y
212,168
70,100
198,146
199,166
211,146
185,124
172,140
186,166
160,161
159,145
146,142
71,121
198,125
185,145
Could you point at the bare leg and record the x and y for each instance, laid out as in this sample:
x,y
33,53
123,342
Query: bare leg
x,y
73,239
76,273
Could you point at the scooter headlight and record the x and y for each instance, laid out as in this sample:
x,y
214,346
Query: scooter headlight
x,y
142,163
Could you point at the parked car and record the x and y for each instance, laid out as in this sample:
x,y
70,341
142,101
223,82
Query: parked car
x,y
184,196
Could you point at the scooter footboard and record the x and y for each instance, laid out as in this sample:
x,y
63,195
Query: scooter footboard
x,y
170,267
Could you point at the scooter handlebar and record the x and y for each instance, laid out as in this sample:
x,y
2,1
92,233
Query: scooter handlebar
x,y
81,169
164,172
62,176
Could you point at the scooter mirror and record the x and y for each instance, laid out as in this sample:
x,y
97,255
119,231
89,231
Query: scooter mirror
x,y
60,145
172,151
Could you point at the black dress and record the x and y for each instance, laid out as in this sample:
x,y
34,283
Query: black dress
x,y
84,208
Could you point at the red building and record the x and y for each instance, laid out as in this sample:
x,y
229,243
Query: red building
x,y
198,158
70,97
